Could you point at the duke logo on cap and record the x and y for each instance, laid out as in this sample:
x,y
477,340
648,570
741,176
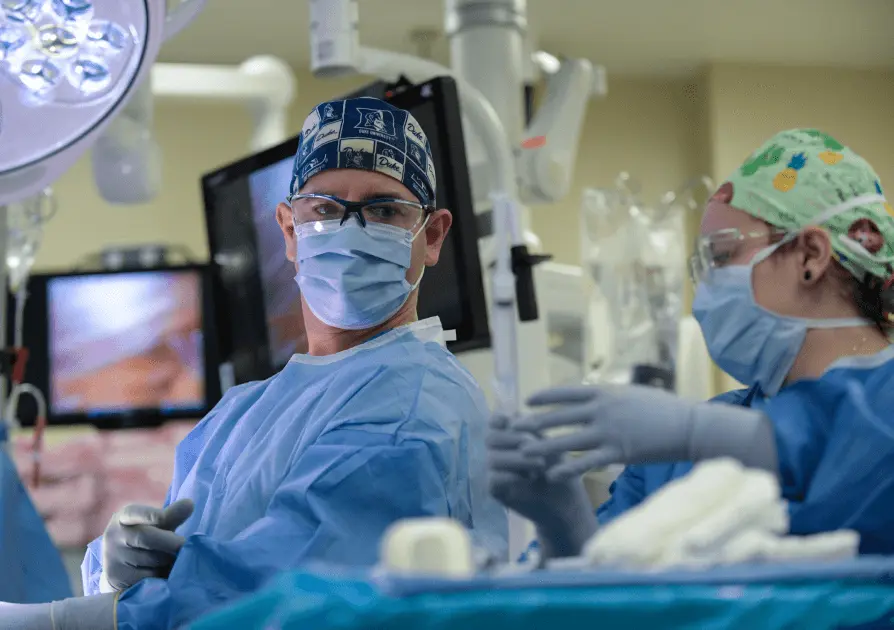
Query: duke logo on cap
x,y
367,134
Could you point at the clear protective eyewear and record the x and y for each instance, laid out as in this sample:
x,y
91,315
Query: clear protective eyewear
x,y
400,213
718,248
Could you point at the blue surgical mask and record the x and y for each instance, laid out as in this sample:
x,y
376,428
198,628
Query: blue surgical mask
x,y
354,277
753,345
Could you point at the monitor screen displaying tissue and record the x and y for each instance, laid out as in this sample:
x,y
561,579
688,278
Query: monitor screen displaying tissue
x,y
125,341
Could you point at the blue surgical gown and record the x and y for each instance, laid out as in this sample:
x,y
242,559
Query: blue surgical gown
x,y
835,438
31,569
313,465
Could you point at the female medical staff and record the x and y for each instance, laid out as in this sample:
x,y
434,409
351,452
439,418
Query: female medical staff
x,y
794,270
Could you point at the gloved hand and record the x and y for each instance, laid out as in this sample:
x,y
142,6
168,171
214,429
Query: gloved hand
x,y
75,613
140,542
25,617
561,510
644,425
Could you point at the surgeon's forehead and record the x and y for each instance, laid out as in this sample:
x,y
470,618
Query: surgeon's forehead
x,y
356,185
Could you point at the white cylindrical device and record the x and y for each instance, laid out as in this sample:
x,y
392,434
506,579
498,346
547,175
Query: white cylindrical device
x,y
487,49
334,38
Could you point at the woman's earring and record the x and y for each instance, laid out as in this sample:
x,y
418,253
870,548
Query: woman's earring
x,y
808,275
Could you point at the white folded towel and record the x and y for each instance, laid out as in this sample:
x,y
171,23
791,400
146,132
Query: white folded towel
x,y
720,513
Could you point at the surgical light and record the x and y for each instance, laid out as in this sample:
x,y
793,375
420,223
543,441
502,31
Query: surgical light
x,y
54,49
67,67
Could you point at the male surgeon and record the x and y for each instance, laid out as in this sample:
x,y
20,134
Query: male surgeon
x,y
376,423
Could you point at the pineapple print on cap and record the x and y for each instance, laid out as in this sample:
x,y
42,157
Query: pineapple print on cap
x,y
832,154
786,179
809,186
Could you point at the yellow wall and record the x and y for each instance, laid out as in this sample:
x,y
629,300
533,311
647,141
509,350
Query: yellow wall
x,y
750,103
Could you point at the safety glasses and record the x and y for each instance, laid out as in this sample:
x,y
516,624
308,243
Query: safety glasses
x,y
400,213
718,248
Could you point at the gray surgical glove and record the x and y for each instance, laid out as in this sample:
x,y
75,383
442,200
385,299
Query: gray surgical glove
x,y
76,613
561,510
644,425
140,543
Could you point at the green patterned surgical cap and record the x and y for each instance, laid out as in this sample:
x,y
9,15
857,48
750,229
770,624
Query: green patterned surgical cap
x,y
797,175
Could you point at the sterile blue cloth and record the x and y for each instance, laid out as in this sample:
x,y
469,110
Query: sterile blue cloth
x,y
31,568
835,437
313,465
846,595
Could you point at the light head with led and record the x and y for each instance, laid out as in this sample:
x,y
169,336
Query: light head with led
x,y
67,67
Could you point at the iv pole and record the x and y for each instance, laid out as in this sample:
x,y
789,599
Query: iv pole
x,y
6,376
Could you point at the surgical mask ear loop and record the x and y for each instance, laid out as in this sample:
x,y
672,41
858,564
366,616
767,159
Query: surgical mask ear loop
x,y
419,281
415,285
765,253
421,228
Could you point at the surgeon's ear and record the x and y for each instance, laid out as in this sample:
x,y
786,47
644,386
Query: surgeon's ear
x,y
814,255
284,218
435,232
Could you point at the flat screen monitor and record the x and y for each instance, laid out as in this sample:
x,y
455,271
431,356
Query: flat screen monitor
x,y
257,298
121,348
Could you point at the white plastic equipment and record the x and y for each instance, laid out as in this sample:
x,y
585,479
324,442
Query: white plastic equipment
x,y
127,160
429,546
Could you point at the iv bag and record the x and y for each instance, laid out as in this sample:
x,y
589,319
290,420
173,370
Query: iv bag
x,y
25,221
634,257
614,233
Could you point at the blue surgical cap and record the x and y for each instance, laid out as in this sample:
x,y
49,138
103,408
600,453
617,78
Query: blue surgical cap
x,y
368,134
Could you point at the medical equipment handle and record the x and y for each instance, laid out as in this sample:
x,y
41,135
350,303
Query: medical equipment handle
x,y
525,292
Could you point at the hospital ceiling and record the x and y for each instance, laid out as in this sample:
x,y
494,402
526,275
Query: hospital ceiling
x,y
636,37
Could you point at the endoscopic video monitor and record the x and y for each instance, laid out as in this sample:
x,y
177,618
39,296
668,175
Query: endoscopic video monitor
x,y
122,348
256,296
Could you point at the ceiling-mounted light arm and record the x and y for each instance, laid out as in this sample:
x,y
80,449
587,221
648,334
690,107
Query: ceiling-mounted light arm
x,y
548,64
547,170
265,85
334,38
